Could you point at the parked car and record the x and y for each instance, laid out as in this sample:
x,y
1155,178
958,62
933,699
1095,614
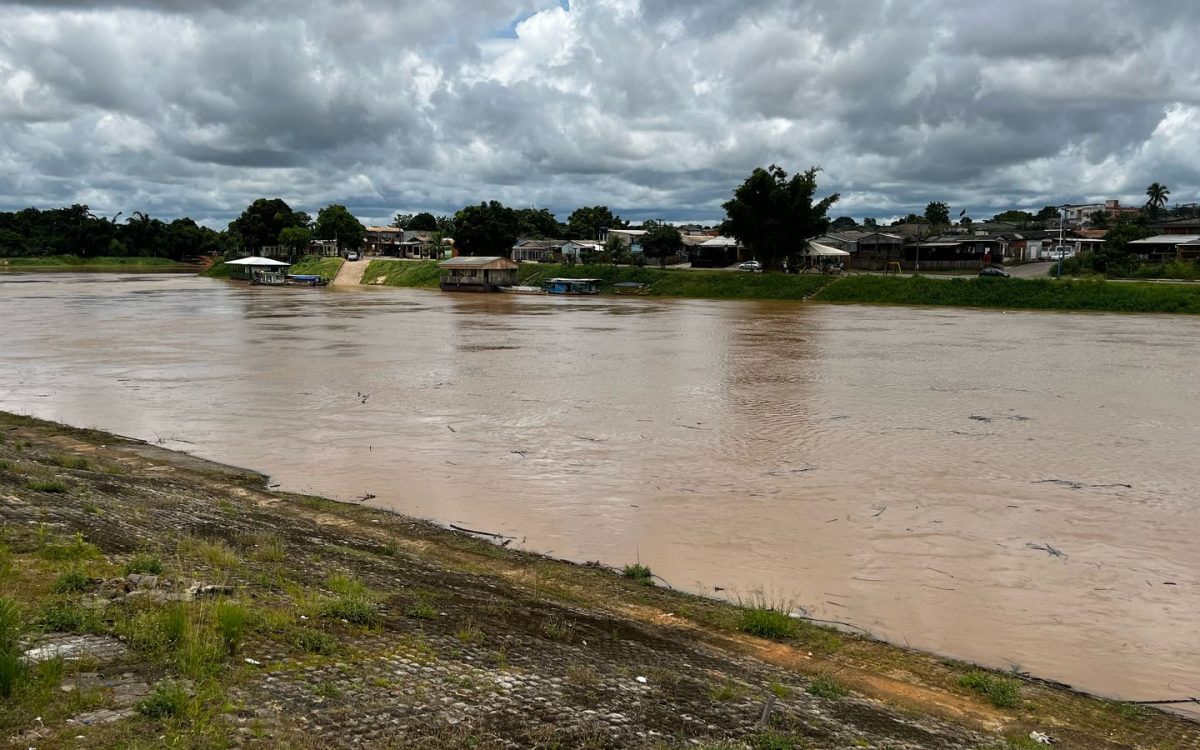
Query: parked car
x,y
993,271
353,255
750,265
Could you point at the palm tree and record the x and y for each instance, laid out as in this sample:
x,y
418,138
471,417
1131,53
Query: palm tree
x,y
1157,195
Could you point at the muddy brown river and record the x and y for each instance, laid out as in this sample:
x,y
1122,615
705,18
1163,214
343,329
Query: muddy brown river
x,y
1008,488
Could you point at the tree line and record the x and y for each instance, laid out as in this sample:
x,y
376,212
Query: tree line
x,y
771,213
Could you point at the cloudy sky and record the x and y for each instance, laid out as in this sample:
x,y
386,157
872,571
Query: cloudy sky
x,y
657,108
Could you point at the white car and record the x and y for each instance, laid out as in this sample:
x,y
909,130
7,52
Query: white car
x,y
352,255
750,265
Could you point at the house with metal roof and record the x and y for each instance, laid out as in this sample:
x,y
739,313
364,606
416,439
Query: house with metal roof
x,y
1164,248
485,273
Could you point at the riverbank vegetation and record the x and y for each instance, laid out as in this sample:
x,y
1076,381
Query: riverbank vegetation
x,y
100,263
318,265
160,600
657,282
1032,294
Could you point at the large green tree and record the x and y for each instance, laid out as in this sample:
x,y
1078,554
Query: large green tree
x,y
335,222
586,222
262,221
538,222
487,229
1020,218
423,222
296,239
661,241
843,223
937,213
773,215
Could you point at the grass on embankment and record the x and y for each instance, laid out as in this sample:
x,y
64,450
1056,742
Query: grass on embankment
x,y
659,282
318,265
1033,294
103,263
309,264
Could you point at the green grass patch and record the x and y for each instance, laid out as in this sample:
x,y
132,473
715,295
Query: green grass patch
x,y
67,616
312,641
824,686
102,263
659,282
75,550
218,270
767,622
75,463
216,552
421,609
53,486
407,273
144,564
232,621
12,666
318,265
167,699
1033,294
775,741
999,691
639,573
354,609
71,582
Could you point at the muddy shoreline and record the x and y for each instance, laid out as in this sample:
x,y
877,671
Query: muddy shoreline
x,y
466,643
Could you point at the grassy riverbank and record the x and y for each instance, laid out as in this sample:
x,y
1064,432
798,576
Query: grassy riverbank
x,y
309,264
150,599
318,265
1034,294
659,282
100,264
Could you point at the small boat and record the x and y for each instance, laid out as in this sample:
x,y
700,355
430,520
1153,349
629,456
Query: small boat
x,y
308,279
573,286
522,290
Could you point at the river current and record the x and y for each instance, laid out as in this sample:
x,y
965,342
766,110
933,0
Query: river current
x,y
1013,488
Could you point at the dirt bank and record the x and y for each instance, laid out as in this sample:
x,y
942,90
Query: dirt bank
x,y
169,600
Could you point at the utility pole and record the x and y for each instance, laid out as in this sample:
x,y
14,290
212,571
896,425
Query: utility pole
x,y
1062,215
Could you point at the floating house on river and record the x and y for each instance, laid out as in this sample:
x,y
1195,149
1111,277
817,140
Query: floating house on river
x,y
259,270
477,274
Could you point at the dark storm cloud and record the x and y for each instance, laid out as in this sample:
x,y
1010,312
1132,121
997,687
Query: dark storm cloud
x,y
656,108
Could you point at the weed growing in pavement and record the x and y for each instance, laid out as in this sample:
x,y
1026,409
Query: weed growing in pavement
x,y
824,686
1000,692
167,699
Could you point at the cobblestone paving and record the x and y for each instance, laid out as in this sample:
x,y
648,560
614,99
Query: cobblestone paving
x,y
490,664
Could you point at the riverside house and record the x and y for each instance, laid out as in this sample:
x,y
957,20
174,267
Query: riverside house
x,y
477,274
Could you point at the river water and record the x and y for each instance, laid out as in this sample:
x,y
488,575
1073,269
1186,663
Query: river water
x,y
1009,488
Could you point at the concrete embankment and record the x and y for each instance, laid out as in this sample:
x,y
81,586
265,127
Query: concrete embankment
x,y
149,598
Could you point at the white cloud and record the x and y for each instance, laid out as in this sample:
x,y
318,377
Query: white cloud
x,y
654,107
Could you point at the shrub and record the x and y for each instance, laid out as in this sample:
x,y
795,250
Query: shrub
x,y
71,582
216,553
558,629
824,686
144,563
345,585
201,655
168,698
1000,692
639,574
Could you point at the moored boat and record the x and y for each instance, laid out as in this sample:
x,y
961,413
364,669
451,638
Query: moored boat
x,y
573,286
522,290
